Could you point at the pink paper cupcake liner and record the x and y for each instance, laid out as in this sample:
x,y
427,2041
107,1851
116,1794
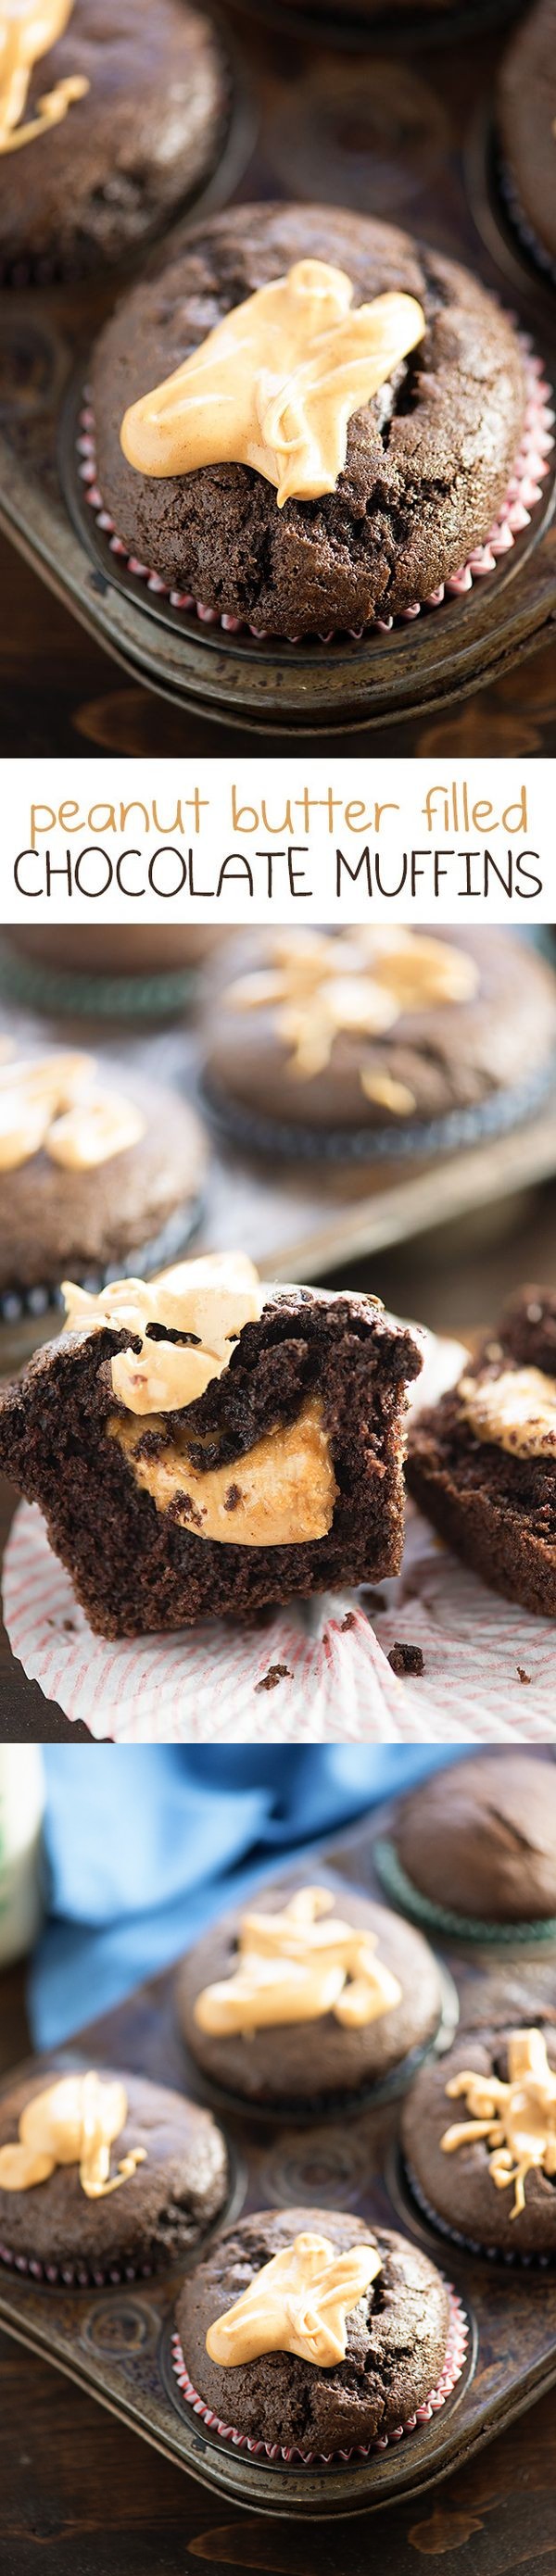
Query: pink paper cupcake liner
x,y
523,493
452,2367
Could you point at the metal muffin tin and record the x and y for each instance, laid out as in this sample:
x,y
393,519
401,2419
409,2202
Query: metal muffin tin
x,y
116,2343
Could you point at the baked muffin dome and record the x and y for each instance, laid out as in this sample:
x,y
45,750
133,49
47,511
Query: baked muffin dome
x,y
74,1204
465,2187
376,1030
428,459
166,2202
92,188
481,1838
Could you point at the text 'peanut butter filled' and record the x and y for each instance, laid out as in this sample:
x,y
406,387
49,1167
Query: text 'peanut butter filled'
x,y
276,383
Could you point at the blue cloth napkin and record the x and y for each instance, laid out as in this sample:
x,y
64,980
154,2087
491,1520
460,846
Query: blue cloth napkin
x,y
144,1844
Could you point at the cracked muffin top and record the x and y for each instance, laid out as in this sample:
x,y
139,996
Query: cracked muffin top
x,y
395,2336
400,489
142,2193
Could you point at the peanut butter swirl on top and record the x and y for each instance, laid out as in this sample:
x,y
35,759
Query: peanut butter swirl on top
x,y
321,988
58,1105
296,1966
72,2122
298,2302
28,30
275,383
517,2119
516,1410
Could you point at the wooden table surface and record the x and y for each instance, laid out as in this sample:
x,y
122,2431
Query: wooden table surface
x,y
79,2496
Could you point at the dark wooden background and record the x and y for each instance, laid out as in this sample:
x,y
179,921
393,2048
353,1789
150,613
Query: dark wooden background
x,y
386,131
80,2496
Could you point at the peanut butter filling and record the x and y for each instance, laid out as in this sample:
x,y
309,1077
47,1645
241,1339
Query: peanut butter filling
x,y
517,1410
276,383
297,1966
28,30
298,2303
56,1105
517,2119
205,1302
280,1494
73,2122
323,988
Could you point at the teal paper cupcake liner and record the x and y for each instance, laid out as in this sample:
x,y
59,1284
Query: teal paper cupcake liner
x,y
438,1918
102,997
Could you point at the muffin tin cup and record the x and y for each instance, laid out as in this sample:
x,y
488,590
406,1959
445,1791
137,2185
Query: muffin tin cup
x,y
454,2361
347,2105
505,2259
37,1303
458,1129
460,1927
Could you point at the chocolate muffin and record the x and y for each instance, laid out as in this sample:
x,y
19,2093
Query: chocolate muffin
x,y
204,1445
383,1039
482,1462
104,2177
310,1993
480,1840
109,124
479,2139
526,120
396,511
394,2344
99,1167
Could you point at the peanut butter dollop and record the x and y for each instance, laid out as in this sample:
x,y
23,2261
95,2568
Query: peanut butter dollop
x,y
296,1966
28,29
321,988
207,1302
276,383
298,2303
517,2119
56,1105
281,1493
73,2122
516,1410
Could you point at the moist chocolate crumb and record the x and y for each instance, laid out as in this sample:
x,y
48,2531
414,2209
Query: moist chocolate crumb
x,y
348,1622
523,1677
276,1673
232,1498
496,1508
406,1659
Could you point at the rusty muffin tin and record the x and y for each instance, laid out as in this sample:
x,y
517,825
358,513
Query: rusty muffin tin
x,y
116,2342
381,131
